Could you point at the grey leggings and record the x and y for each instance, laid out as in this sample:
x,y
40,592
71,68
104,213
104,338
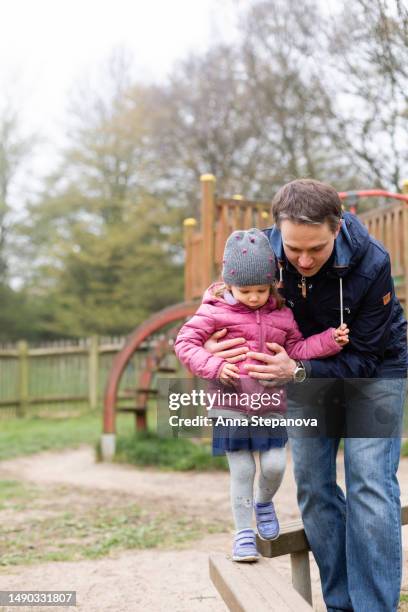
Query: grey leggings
x,y
242,468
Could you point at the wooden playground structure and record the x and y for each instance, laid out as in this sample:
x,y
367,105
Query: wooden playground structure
x,y
244,587
204,244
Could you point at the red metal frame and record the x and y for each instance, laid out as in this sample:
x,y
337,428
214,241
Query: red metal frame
x,y
150,326
369,193
373,192
153,361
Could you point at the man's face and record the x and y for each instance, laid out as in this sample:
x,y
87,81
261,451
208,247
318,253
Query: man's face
x,y
306,246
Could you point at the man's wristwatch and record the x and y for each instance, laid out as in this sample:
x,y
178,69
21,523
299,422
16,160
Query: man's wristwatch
x,y
299,375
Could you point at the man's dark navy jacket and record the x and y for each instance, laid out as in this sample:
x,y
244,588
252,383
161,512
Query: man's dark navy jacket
x,y
378,329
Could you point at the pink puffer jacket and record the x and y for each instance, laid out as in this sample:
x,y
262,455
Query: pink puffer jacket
x,y
266,324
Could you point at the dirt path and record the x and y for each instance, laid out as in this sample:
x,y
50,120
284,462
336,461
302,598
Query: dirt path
x,y
148,580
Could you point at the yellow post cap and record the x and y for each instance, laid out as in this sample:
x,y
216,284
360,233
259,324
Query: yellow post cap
x,y
264,214
189,222
405,186
207,178
237,196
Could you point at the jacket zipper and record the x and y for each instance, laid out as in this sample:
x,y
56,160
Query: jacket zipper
x,y
303,286
261,340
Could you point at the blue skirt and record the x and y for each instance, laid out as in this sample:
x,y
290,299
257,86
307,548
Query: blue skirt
x,y
247,437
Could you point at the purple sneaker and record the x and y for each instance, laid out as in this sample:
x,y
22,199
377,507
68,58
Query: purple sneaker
x,y
245,546
266,521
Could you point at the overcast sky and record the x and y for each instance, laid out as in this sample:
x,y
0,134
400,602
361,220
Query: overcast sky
x,y
48,45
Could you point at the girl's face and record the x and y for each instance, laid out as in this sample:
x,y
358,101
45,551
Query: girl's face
x,y
253,296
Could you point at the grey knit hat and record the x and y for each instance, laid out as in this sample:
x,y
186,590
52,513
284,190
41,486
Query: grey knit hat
x,y
248,259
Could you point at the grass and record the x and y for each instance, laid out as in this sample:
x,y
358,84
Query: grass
x,y
32,435
148,449
41,523
60,523
403,603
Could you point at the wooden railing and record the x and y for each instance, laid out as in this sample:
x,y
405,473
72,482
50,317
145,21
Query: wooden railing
x,y
389,225
221,216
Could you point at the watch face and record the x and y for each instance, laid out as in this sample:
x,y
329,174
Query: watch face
x,y
300,374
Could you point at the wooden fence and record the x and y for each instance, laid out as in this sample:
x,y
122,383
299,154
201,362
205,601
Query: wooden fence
x,y
59,376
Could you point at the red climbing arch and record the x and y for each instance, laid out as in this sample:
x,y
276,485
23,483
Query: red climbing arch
x,y
153,324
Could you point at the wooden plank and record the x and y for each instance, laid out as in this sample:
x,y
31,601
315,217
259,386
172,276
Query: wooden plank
x,y
9,402
246,587
49,399
300,565
221,234
57,398
207,228
8,353
189,226
58,350
93,371
404,513
135,409
405,257
68,350
251,203
23,373
292,539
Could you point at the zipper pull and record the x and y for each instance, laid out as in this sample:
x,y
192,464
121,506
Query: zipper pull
x,y
303,287
257,316
280,283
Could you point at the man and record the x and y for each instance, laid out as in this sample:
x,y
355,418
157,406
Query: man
x,y
332,271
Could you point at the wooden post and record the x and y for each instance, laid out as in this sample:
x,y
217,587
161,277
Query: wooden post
x,y
405,257
301,574
93,371
189,225
264,219
22,348
208,227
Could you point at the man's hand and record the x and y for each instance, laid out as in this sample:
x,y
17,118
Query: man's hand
x,y
278,366
229,374
225,348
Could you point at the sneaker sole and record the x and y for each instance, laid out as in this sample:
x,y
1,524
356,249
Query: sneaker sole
x,y
246,559
268,539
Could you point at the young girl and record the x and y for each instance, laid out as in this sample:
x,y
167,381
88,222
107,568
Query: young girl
x,y
248,305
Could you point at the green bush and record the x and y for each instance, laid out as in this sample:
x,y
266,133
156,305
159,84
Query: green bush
x,y
148,449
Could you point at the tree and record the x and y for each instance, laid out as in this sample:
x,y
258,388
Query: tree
x,y
368,44
292,113
102,245
14,149
200,125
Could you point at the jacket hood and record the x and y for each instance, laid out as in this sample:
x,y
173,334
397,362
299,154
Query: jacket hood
x,y
349,246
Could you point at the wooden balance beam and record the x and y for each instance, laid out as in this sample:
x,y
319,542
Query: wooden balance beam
x,y
245,587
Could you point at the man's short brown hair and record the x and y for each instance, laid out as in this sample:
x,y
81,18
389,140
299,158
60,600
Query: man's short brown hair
x,y
307,201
